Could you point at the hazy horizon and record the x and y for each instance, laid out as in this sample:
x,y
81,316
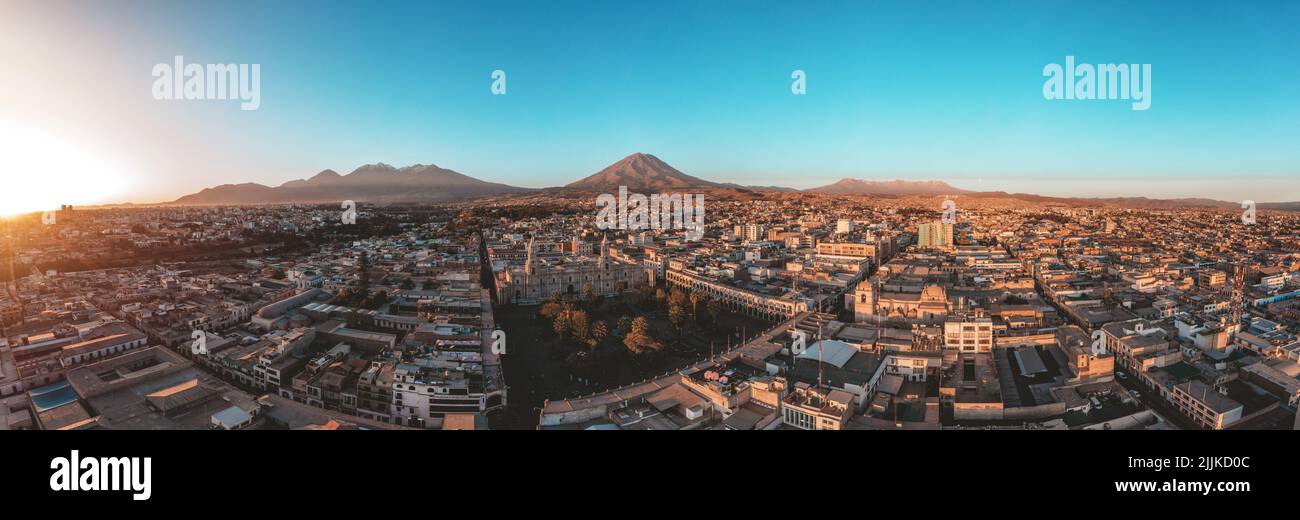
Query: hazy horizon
x,y
1069,188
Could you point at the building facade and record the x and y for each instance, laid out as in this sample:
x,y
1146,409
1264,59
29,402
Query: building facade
x,y
536,281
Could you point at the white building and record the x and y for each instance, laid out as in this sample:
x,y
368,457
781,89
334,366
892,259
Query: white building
x,y
968,335
844,225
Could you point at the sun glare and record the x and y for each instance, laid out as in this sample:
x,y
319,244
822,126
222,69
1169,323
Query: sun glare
x,y
42,172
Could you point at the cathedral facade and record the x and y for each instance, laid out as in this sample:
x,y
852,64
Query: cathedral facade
x,y
537,280
927,303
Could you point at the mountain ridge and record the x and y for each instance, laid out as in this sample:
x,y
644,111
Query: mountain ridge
x,y
848,186
639,172
377,182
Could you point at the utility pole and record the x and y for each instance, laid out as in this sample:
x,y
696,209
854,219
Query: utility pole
x,y
819,359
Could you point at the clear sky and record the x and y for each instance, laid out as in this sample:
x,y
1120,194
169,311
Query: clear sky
x,y
899,89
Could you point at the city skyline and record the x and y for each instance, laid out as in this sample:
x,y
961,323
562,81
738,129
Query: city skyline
x,y
893,91
974,220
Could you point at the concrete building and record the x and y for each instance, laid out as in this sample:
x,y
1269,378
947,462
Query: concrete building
x,y
1205,406
1211,278
844,225
935,234
968,334
807,408
102,342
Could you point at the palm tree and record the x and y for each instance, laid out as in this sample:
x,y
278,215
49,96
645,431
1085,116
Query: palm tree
x,y
677,316
562,325
639,340
715,308
599,331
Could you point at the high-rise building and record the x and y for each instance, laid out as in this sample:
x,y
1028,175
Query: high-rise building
x,y
934,234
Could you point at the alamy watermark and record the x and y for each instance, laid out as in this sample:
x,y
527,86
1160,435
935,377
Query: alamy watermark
x,y
949,213
498,82
498,346
200,345
98,474
191,81
349,215
659,211
1103,81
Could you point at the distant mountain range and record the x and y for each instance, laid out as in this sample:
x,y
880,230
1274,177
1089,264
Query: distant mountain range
x,y
370,183
895,187
639,172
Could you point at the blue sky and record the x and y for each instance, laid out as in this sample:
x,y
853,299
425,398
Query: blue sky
x,y
914,90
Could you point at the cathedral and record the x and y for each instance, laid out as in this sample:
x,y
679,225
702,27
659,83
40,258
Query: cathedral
x,y
570,275
926,303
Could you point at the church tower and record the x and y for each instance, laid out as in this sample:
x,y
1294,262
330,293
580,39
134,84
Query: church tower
x,y
528,264
604,251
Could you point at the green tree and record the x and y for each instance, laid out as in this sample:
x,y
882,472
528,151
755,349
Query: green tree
x,y
562,325
381,298
677,317
639,340
715,308
646,292
579,324
550,310
599,331
363,273
677,298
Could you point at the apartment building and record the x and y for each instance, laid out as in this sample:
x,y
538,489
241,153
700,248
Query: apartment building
x,y
807,408
422,395
935,234
968,334
375,391
1204,405
1211,278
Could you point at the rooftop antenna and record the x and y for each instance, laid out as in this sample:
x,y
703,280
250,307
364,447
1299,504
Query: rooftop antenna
x,y
1238,286
875,295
